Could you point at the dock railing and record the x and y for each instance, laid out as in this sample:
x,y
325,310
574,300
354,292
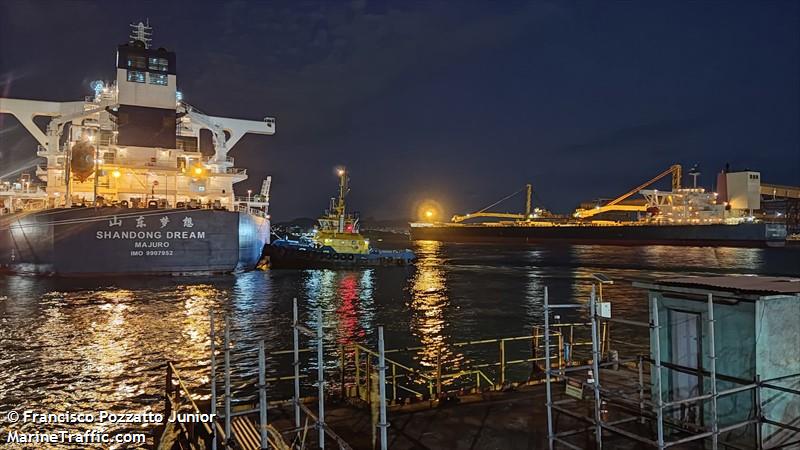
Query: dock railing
x,y
361,375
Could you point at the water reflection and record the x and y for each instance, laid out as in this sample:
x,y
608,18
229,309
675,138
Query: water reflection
x,y
347,302
429,302
69,343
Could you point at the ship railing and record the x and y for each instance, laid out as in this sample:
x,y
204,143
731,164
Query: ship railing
x,y
251,210
214,160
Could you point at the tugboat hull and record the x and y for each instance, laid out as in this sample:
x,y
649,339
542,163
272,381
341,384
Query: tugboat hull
x,y
286,257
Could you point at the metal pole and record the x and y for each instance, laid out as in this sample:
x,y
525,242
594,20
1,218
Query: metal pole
x,y
320,382
759,414
713,369
656,333
598,430
262,394
227,383
213,383
296,364
502,362
382,390
550,436
641,389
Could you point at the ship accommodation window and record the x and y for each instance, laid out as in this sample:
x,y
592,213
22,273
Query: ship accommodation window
x,y
136,76
158,64
137,62
158,78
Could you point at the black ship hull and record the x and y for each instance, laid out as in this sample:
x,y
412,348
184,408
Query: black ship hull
x,y
741,235
119,241
285,257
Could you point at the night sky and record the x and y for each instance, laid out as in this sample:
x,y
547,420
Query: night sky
x,y
459,102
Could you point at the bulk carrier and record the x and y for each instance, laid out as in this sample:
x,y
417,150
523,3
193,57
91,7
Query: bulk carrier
x,y
680,216
127,187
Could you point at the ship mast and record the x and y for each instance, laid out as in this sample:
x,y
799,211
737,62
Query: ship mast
x,y
343,190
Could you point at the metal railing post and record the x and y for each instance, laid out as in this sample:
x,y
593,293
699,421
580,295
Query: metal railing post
x,y
641,389
383,424
598,428
168,393
394,382
713,369
759,414
657,372
296,363
357,359
439,373
502,362
213,383
227,344
550,436
342,365
262,394
320,381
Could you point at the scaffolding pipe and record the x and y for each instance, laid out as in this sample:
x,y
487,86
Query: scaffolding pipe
x,y
759,414
213,382
598,432
550,436
641,390
262,394
713,369
227,344
656,332
384,424
320,381
296,363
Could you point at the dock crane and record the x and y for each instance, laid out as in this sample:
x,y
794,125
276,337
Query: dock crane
x,y
614,205
496,215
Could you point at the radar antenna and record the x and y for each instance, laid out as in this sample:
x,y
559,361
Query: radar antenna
x,y
142,32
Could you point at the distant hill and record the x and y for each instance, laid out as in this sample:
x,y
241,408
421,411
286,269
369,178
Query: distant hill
x,y
304,224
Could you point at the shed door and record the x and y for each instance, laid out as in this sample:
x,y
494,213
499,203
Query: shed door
x,y
685,345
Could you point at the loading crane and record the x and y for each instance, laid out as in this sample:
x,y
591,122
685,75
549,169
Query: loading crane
x,y
614,205
496,215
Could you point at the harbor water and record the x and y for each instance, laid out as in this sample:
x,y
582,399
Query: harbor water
x,y
69,344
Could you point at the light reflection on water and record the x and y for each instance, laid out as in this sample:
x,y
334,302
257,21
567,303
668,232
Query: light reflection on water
x,y
96,344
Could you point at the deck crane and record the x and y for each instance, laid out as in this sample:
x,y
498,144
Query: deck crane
x,y
614,205
496,215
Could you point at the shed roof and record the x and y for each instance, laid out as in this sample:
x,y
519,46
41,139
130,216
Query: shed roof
x,y
745,284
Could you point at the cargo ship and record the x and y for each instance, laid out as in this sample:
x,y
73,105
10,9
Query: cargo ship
x,y
128,186
335,243
680,216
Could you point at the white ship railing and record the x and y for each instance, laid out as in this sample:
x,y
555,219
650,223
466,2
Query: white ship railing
x,y
251,210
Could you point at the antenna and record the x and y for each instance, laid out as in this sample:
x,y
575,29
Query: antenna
x,y
694,173
142,32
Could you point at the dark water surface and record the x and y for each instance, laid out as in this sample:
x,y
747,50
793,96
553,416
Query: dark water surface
x,y
100,344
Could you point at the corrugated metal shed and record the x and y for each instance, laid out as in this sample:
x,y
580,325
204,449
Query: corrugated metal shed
x,y
759,285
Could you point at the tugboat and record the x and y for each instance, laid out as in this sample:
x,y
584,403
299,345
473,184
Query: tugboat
x,y
335,243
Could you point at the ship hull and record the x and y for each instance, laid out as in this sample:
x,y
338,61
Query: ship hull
x,y
742,235
283,257
122,241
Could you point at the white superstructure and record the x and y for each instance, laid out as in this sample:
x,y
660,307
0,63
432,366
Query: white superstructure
x,y
133,142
